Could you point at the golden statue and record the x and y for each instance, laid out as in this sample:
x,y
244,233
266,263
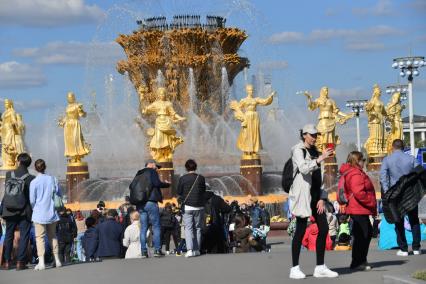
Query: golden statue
x,y
329,115
164,140
376,113
249,140
393,111
20,132
11,127
75,146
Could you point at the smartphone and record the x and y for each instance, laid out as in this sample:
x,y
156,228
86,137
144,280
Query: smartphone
x,y
330,146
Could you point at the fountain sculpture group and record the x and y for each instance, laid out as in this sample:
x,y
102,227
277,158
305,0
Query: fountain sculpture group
x,y
186,49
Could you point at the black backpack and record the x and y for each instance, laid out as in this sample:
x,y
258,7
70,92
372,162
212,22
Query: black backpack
x,y
140,188
288,176
14,195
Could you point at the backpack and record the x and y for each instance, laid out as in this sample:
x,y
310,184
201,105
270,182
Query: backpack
x,y
14,195
341,195
140,188
208,213
288,176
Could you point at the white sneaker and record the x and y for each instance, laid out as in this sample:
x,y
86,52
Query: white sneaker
x,y
296,273
402,253
197,253
40,265
167,252
189,253
322,271
417,252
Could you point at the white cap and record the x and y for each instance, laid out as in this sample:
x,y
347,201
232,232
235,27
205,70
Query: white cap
x,y
310,128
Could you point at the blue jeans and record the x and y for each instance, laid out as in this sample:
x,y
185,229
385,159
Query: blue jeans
x,y
79,247
150,214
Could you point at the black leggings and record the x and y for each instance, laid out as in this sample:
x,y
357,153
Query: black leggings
x,y
296,244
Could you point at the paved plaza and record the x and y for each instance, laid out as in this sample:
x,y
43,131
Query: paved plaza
x,y
230,268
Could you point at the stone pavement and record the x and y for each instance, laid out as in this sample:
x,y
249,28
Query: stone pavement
x,y
230,268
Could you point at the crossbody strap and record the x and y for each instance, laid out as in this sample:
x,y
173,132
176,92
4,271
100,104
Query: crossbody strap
x,y
192,187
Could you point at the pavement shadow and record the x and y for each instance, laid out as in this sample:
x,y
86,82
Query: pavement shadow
x,y
275,243
374,265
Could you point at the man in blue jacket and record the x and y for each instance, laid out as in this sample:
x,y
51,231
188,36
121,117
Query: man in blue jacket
x,y
393,168
149,211
110,236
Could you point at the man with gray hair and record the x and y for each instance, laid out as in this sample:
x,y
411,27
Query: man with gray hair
x,y
393,167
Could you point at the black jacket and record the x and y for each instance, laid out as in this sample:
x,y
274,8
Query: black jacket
x,y
196,198
168,219
216,207
66,229
90,242
405,195
27,211
110,238
157,184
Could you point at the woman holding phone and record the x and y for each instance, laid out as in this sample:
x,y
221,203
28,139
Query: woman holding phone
x,y
307,199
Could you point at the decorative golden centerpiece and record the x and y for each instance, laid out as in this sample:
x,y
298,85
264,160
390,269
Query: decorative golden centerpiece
x,y
175,47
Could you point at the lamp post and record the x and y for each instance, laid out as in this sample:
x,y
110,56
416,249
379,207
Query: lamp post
x,y
357,106
409,67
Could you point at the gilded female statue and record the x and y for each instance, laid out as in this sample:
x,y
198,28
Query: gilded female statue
x,y
249,140
164,140
393,111
75,146
20,132
9,131
376,113
329,115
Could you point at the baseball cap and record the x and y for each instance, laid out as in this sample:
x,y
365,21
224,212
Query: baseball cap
x,y
310,128
152,161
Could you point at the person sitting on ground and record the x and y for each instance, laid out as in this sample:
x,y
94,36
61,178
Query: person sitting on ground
x,y
310,238
333,225
110,236
168,227
245,242
66,231
132,237
90,240
344,236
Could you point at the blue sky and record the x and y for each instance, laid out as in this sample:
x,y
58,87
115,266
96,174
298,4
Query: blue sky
x,y
48,47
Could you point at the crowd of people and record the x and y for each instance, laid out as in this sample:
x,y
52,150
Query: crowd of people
x,y
201,222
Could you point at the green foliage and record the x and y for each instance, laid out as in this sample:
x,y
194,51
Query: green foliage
x,y
421,275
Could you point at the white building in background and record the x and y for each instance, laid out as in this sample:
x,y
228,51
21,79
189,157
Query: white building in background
x,y
419,127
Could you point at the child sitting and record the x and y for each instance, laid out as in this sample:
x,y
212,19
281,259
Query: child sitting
x,y
90,240
310,238
344,236
243,236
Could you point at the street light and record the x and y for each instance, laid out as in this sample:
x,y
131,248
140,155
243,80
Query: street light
x,y
357,106
402,89
409,67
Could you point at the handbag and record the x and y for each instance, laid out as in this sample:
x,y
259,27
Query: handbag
x,y
57,200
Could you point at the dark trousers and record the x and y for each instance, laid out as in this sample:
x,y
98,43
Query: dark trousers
x,y
24,228
362,232
301,224
64,251
413,217
167,234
